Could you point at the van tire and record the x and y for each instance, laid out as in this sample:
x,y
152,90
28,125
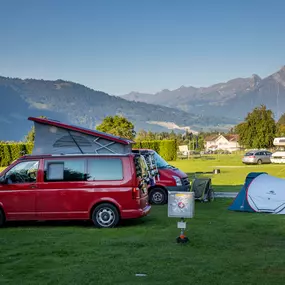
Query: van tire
x,y
2,218
105,215
157,196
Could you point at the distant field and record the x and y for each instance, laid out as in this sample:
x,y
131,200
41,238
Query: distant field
x,y
233,172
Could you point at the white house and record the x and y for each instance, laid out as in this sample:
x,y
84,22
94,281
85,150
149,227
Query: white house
x,y
222,142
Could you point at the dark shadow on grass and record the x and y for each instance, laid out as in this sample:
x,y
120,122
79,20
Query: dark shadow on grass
x,y
48,224
80,224
137,222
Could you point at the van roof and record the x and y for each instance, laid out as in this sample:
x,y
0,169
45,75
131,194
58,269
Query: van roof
x,y
81,130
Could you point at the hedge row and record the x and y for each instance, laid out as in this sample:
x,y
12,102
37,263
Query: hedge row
x,y
12,151
166,148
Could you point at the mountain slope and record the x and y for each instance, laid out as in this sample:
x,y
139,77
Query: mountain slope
x,y
233,99
77,104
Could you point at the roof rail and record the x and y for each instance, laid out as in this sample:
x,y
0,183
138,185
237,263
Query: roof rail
x,y
72,155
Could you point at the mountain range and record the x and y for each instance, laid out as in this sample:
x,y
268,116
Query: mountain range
x,y
184,108
77,104
233,99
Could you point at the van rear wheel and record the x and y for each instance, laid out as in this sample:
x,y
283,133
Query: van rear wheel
x,y
157,196
105,216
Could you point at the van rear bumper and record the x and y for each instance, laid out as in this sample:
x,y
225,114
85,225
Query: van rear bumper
x,y
135,213
184,188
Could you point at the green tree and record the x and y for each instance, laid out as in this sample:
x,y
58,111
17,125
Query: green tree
x,y
141,135
258,130
281,120
280,131
30,137
118,126
281,126
244,134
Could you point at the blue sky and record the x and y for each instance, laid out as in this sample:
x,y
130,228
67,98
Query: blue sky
x,y
147,45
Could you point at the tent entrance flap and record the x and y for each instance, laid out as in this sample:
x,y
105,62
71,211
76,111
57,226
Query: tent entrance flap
x,y
52,139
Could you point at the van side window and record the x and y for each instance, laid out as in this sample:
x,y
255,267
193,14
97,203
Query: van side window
x,y
23,172
65,170
105,169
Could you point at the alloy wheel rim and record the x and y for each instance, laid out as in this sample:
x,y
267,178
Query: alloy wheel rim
x,y
157,197
105,217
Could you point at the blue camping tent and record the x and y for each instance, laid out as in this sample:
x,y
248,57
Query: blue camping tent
x,y
240,203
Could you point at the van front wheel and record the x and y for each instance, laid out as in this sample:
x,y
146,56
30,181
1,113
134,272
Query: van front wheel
x,y
105,216
157,196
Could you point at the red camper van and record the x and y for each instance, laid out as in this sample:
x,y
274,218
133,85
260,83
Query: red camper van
x,y
70,183
169,178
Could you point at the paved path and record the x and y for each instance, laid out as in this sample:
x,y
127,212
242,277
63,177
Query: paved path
x,y
225,194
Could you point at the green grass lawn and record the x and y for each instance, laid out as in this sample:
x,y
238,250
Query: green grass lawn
x,y
225,248
233,172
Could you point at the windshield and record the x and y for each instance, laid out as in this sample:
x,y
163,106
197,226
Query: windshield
x,y
160,162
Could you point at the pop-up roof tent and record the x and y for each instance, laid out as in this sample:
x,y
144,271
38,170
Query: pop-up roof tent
x,y
54,137
261,193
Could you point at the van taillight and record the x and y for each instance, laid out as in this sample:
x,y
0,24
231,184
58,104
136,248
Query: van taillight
x,y
136,193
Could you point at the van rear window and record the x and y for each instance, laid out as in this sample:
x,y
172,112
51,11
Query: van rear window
x,y
105,169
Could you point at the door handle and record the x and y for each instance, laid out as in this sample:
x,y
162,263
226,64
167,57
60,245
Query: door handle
x,y
33,186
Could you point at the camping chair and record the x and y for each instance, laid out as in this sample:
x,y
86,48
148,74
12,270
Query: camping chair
x,y
202,187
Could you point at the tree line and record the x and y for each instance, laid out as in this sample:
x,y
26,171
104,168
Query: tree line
x,y
258,130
